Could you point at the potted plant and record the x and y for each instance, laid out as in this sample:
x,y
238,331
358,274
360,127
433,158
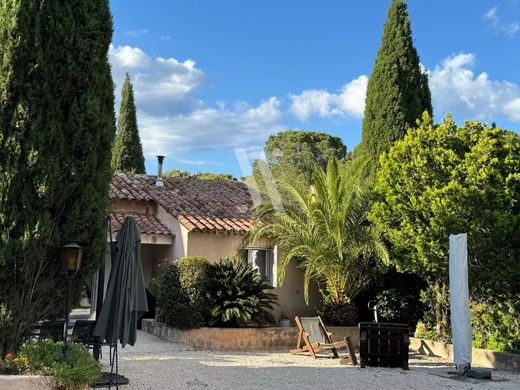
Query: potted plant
x,y
284,320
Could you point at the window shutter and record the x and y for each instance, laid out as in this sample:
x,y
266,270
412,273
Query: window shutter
x,y
274,267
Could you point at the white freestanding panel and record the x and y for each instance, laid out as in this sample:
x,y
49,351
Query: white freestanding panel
x,y
459,300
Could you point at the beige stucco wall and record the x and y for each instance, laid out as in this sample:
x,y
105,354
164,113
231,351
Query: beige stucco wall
x,y
290,294
180,241
213,246
152,256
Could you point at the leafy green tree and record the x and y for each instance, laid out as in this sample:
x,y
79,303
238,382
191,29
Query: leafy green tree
x,y
56,130
199,175
127,153
447,179
176,173
293,154
398,91
324,227
214,176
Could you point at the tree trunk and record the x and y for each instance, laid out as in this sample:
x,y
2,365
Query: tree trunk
x,y
441,309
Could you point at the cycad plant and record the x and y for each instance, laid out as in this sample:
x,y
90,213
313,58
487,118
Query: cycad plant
x,y
324,227
238,294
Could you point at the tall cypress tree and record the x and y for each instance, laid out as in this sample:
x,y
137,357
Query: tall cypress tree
x,y
127,154
398,91
56,128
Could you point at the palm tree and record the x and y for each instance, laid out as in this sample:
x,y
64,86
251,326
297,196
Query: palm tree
x,y
325,228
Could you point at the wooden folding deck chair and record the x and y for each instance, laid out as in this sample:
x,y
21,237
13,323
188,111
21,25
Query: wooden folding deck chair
x,y
313,338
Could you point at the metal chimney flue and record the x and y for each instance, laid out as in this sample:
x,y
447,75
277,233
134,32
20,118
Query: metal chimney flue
x,y
159,181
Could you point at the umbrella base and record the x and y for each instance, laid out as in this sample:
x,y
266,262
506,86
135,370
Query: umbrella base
x,y
108,379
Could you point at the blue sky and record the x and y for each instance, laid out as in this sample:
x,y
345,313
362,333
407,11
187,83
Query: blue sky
x,y
213,78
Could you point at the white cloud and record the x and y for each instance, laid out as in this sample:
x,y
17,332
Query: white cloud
x,y
167,78
512,109
456,88
498,25
512,28
491,15
173,122
349,101
127,57
192,162
159,83
209,128
137,33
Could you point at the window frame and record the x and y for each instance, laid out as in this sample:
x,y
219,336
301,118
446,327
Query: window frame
x,y
271,262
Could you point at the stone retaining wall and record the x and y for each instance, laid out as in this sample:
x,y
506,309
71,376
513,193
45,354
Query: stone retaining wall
x,y
239,339
479,358
26,382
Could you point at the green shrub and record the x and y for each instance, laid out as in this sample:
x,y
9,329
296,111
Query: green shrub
x,y
394,306
194,274
423,331
75,371
172,300
42,355
238,296
80,370
496,324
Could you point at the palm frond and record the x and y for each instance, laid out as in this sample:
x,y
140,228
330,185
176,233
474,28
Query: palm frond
x,y
324,226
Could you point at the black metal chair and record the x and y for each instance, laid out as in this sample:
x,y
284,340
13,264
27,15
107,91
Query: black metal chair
x,y
51,330
82,332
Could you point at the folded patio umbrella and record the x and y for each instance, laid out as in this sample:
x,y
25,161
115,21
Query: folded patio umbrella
x,y
125,300
459,301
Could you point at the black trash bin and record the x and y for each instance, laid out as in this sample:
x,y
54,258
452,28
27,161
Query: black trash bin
x,y
384,344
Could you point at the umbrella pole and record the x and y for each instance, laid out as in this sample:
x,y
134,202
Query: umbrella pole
x,y
101,284
117,368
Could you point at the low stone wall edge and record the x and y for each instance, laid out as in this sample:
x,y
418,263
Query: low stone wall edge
x,y
26,382
240,339
480,357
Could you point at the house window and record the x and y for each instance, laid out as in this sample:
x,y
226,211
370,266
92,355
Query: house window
x,y
264,261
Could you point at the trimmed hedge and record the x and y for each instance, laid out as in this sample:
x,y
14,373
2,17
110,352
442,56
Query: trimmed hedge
x,y
194,275
172,300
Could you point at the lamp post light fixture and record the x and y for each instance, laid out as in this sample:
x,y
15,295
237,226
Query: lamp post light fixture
x,y
70,256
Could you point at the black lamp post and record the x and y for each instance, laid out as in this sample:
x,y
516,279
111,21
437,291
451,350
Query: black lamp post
x,y
70,256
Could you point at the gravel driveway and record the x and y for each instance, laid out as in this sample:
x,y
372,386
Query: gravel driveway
x,y
159,364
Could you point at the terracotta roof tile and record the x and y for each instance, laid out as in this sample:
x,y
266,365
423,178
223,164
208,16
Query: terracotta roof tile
x,y
145,224
199,205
